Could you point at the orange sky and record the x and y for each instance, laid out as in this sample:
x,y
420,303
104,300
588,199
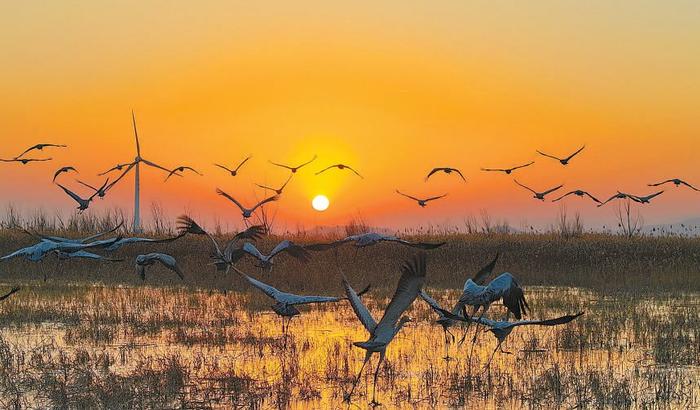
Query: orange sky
x,y
391,89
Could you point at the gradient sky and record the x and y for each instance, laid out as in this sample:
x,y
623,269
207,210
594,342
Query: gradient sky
x,y
392,89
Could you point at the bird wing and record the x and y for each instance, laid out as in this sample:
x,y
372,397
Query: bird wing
x,y
101,189
486,271
523,166
250,249
264,201
410,283
154,165
230,198
689,186
432,198
289,178
654,195
86,185
169,262
292,299
270,291
575,153
72,194
223,167
307,162
547,322
243,162
434,170
281,165
549,191
99,234
548,156
358,307
529,189
27,150
407,196
19,252
592,197
90,255
460,174
504,286
563,196
419,245
326,246
661,183
253,233
10,293
291,248
431,302
326,169
493,169
353,170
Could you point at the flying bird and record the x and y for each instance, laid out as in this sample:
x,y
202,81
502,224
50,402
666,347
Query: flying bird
x,y
618,195
39,250
446,170
150,258
234,171
645,199
381,334
677,182
247,212
508,171
117,167
285,303
279,190
369,239
82,203
78,240
39,147
563,161
84,255
25,161
266,261
294,169
577,192
538,195
341,167
502,329
221,255
126,241
421,202
62,170
181,169
10,293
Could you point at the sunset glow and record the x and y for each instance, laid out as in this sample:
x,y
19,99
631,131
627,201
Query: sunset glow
x,y
320,203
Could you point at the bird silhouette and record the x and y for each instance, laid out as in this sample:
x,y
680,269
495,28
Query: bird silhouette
x,y
508,171
234,171
279,190
247,212
62,170
294,169
39,147
677,182
579,193
446,170
563,161
422,202
538,195
340,167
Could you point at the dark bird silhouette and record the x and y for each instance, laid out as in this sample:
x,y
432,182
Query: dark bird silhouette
x,y
117,167
25,161
677,182
279,190
645,199
82,203
446,170
577,192
142,261
294,169
563,161
247,212
341,167
538,195
421,202
62,170
39,147
381,334
181,169
618,195
234,171
508,171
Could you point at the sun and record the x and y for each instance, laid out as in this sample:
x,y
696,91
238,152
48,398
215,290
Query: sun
x,y
320,203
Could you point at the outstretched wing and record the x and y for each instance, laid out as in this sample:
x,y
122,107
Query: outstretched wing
x,y
10,293
431,302
72,194
326,169
412,278
549,191
486,271
592,197
434,170
523,166
419,245
326,246
689,186
575,153
270,291
291,248
243,162
506,287
432,198
407,196
253,233
230,198
359,308
548,156
529,189
563,196
547,322
264,201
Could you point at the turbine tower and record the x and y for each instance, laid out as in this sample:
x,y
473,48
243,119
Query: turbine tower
x,y
136,164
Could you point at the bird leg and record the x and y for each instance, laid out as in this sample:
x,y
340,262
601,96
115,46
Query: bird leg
x,y
374,401
357,379
447,345
492,354
476,334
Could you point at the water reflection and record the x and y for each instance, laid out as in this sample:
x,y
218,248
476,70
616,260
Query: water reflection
x,y
219,350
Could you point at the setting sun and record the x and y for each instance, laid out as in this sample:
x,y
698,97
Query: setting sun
x,y
320,203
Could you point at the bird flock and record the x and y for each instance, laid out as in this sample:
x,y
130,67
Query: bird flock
x,y
477,295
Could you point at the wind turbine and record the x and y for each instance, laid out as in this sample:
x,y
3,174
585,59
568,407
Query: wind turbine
x,y
136,164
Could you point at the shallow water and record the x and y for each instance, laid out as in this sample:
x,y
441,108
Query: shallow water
x,y
216,350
